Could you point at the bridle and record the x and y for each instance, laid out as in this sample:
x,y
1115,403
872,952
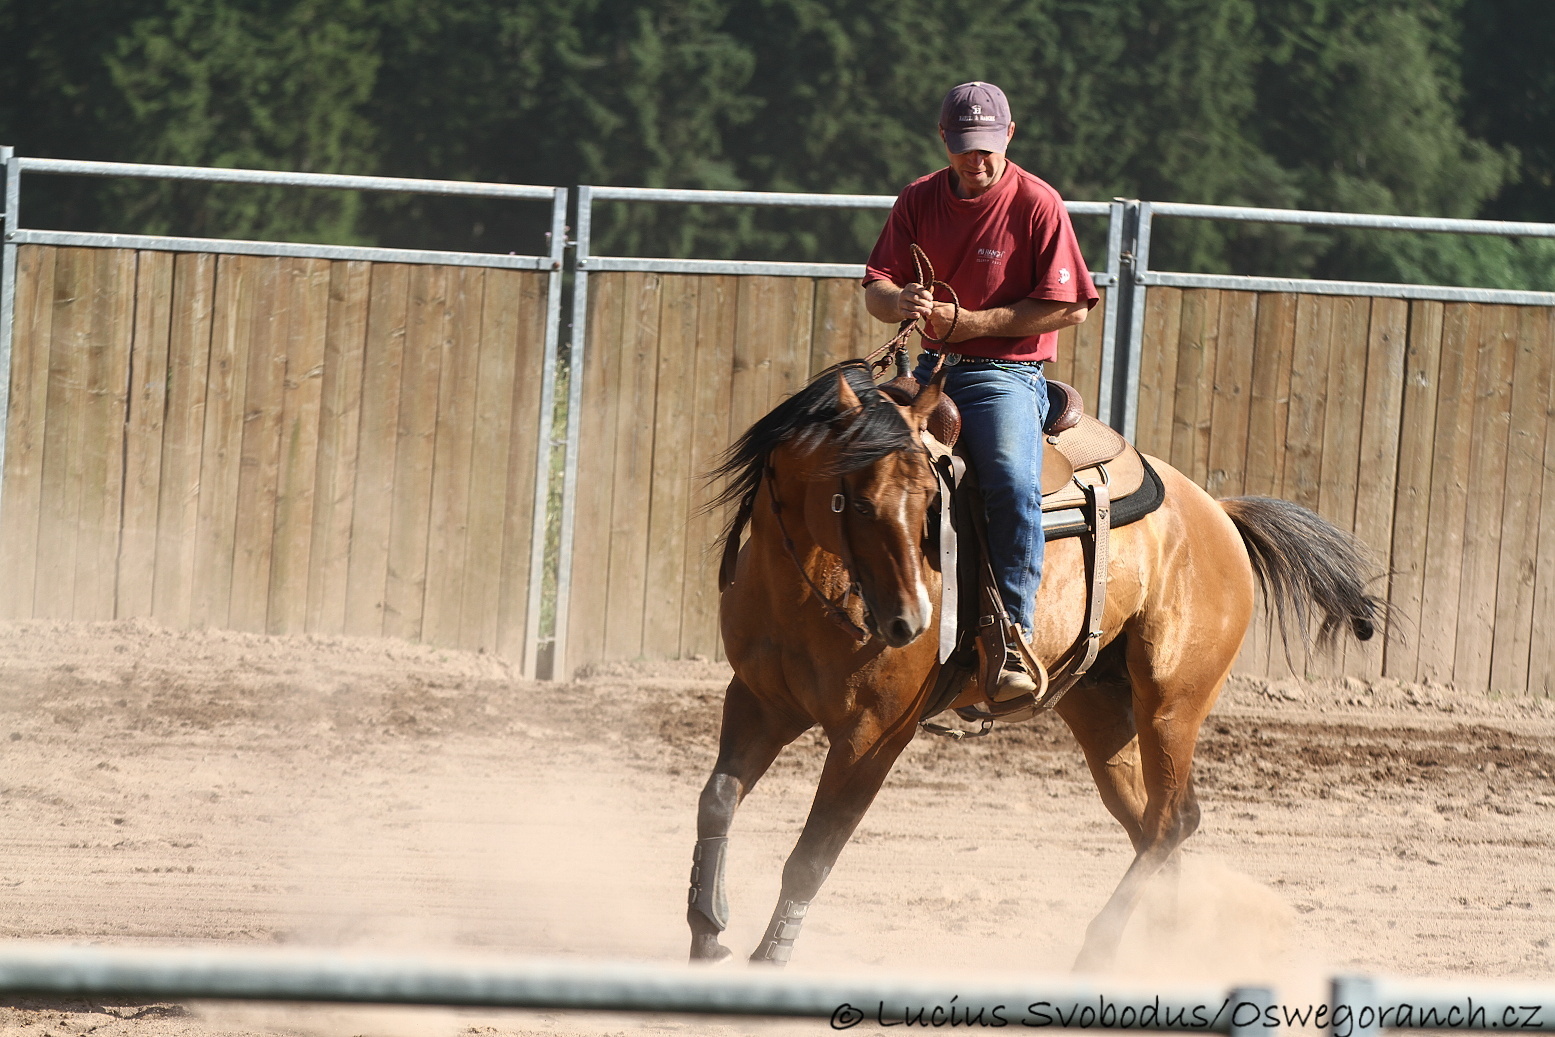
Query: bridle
x,y
836,611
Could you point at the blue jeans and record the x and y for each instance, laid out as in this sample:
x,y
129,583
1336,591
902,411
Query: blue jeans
x,y
1003,408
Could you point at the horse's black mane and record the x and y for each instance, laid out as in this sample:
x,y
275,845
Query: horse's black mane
x,y
807,416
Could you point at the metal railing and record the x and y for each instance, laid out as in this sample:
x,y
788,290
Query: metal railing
x,y
1359,1006
15,236
1142,277
224,973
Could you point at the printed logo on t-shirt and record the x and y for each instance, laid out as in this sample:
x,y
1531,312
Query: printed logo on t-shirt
x,y
1063,275
990,255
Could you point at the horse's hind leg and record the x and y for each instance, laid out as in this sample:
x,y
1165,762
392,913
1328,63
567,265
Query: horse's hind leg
x,y
1169,712
856,766
750,740
1100,714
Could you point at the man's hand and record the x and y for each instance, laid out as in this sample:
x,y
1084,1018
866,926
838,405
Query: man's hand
x,y
915,301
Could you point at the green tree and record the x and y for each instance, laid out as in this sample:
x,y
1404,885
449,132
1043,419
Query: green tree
x,y
275,84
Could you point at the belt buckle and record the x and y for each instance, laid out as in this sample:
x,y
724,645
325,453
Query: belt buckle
x,y
952,359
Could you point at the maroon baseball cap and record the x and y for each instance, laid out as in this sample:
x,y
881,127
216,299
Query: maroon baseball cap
x,y
975,117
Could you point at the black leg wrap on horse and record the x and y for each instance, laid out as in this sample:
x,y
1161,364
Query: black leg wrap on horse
x,y
777,946
707,880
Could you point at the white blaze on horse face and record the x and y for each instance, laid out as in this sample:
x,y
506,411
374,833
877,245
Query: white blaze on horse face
x,y
924,605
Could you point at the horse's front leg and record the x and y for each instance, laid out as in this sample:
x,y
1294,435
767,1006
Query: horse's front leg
x,y
862,754
751,737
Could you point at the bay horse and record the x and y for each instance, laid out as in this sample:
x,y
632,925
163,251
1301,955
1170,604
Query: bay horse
x,y
836,485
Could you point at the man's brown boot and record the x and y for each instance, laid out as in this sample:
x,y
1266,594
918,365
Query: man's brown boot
x,y
1014,681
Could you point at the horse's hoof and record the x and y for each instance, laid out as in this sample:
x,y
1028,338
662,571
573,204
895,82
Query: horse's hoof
x,y
713,955
1092,959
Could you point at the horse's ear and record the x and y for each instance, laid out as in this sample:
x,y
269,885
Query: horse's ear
x,y
927,400
847,399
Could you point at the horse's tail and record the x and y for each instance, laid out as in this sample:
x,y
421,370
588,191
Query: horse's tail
x,y
1306,564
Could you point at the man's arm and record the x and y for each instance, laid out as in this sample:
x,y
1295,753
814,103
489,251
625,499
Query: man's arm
x,y
891,303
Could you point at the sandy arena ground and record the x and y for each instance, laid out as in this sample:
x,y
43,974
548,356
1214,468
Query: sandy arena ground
x,y
173,788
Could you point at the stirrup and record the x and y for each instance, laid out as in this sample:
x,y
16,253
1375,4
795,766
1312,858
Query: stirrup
x,y
1018,652
1012,711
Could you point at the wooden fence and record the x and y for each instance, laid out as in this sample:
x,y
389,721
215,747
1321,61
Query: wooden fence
x,y
677,366
273,444
288,445
1421,426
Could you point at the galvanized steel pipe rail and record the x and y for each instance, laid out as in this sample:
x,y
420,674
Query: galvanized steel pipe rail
x,y
282,178
314,976
1372,221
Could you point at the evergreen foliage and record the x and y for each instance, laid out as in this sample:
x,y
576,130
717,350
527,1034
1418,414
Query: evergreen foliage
x,y
1422,107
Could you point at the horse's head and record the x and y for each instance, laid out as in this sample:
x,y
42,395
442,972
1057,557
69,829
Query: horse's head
x,y
870,487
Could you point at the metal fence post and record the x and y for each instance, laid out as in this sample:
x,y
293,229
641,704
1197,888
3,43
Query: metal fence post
x,y
1355,997
1248,1008
544,445
1139,263
1107,402
578,339
12,215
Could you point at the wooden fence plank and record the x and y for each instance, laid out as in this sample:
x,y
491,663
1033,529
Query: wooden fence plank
x,y
1541,660
1085,367
791,344
626,584
31,344
1449,492
426,344
447,536
1268,411
260,458
1339,434
1263,472
114,329
525,444
76,280
502,306
307,285
259,465
340,413
1194,386
1231,403
1513,632
1308,392
1342,411
710,435
1497,355
672,474
383,361
1412,498
143,433
837,333
601,376
1158,371
183,436
237,280
1378,465
758,311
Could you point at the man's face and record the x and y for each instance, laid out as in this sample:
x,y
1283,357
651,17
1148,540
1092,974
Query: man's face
x,y
976,171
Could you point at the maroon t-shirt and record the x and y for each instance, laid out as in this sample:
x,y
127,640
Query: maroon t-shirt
x,y
1012,242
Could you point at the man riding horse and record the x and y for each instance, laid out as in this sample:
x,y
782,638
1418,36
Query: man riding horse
x,y
1003,241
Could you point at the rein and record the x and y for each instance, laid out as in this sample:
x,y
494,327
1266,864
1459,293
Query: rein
x,y
881,358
